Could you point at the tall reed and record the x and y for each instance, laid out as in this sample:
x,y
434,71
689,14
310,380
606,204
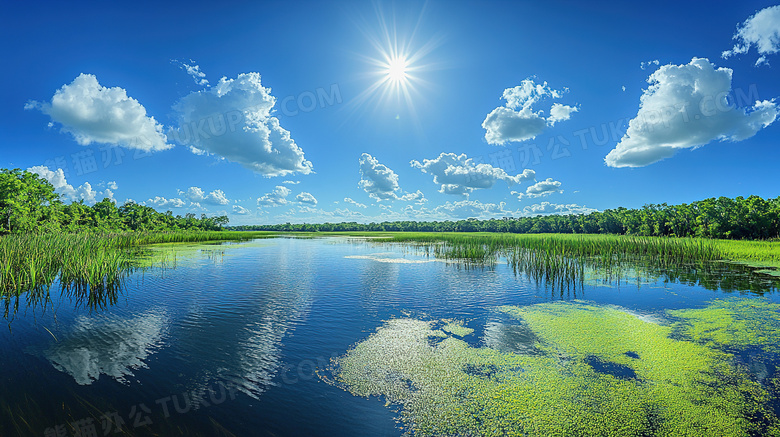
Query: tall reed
x,y
88,261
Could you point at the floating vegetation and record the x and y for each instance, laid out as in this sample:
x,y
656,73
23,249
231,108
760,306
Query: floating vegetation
x,y
600,372
456,327
735,323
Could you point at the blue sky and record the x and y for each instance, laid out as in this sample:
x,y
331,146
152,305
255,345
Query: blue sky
x,y
272,112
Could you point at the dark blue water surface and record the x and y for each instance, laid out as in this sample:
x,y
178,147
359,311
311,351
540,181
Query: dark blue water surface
x,y
238,341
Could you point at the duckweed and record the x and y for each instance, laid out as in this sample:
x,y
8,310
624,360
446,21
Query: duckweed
x,y
456,328
676,388
732,323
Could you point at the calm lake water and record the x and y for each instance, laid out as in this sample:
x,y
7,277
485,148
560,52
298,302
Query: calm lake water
x,y
236,339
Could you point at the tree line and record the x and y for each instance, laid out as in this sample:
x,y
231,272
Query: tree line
x,y
29,204
722,217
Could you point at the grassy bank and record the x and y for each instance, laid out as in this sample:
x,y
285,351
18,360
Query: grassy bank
x,y
93,260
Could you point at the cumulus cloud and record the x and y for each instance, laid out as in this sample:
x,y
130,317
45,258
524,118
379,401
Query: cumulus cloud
x,y
517,120
358,204
307,198
381,183
233,120
112,185
540,189
547,208
194,71
291,182
95,114
277,197
197,195
687,106
460,175
761,31
162,202
240,210
61,186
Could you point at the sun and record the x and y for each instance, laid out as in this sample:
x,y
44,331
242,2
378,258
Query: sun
x,y
398,67
397,70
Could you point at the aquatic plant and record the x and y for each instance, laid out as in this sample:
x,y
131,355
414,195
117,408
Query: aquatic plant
x,y
734,323
87,260
602,372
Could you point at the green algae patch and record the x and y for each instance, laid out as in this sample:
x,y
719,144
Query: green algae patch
x,y
734,323
456,328
602,372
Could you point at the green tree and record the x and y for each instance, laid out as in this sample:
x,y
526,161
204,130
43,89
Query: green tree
x,y
24,198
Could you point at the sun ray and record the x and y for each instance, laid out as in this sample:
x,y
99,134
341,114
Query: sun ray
x,y
396,67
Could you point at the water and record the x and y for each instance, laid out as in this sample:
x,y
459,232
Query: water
x,y
237,339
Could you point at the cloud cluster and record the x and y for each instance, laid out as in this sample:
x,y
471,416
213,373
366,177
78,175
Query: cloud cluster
x,y
240,210
194,71
645,65
687,106
472,208
162,202
95,114
459,174
233,120
540,189
306,198
357,204
547,208
61,186
197,195
381,183
277,197
761,31
517,120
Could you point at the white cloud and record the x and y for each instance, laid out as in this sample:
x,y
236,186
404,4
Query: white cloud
x,y
197,195
381,183
540,189
233,120
194,71
112,185
108,194
762,31
560,112
291,182
417,197
358,204
686,106
66,190
240,210
645,65
277,197
472,208
547,208
162,202
459,174
517,121
307,198
96,114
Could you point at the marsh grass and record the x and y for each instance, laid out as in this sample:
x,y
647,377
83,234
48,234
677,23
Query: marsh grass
x,y
85,262
562,261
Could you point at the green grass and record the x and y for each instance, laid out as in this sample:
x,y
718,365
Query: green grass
x,y
85,261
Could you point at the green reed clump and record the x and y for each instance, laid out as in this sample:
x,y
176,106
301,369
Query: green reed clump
x,y
561,259
84,261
